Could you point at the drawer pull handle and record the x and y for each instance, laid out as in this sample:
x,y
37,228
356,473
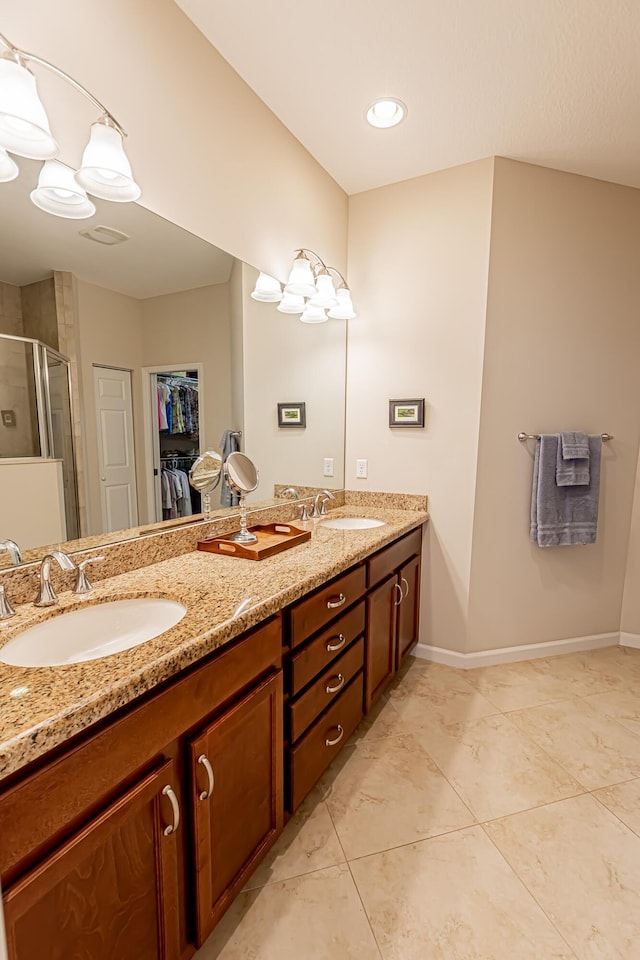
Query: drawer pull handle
x,y
397,603
332,743
406,583
332,647
205,794
175,807
338,602
338,686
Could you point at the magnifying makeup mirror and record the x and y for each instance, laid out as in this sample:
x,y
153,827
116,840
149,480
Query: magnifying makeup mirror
x,y
241,476
204,476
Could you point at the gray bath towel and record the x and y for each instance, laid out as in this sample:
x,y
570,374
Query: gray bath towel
x,y
572,462
228,444
563,516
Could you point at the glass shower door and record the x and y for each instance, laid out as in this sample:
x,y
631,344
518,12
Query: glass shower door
x,y
60,423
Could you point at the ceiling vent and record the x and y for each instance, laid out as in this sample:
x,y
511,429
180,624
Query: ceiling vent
x,y
106,235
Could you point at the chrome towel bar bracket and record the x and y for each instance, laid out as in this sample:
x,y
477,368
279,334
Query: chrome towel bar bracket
x,y
536,436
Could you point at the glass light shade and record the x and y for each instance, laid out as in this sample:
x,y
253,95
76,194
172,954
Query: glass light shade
x,y
24,125
344,308
313,314
386,112
58,193
8,167
105,171
267,289
301,280
326,292
291,303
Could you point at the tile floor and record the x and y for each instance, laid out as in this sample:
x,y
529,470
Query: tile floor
x,y
491,814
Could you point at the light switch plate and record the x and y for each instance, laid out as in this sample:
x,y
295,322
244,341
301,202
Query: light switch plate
x,y
8,418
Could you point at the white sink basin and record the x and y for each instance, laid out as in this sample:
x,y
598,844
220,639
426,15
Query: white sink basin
x,y
92,632
352,523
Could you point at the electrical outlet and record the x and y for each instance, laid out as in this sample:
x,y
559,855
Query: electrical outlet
x,y
362,469
328,467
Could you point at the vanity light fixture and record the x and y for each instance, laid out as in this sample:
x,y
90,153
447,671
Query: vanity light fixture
x,y
386,112
105,171
9,169
267,289
309,291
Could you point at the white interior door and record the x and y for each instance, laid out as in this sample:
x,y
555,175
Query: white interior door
x,y
116,455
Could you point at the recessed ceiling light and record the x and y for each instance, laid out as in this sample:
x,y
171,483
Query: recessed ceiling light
x,y
386,112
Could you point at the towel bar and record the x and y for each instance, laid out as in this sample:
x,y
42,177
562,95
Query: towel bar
x,y
536,436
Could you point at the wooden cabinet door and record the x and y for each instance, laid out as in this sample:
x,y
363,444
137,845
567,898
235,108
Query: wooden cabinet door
x,y
380,638
110,891
239,803
409,609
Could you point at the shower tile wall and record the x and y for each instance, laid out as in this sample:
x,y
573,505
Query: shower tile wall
x,y
16,380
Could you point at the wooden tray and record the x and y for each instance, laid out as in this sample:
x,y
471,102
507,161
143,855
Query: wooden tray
x,y
272,538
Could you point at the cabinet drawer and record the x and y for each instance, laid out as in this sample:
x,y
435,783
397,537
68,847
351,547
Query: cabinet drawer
x,y
324,741
323,605
327,687
382,564
310,660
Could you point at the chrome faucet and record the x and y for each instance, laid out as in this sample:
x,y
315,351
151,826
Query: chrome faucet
x,y
46,594
13,550
291,492
320,503
6,610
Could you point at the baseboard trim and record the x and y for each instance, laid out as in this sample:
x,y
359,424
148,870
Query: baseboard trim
x,y
527,651
630,640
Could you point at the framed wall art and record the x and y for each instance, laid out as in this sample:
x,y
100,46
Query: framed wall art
x,y
292,415
406,413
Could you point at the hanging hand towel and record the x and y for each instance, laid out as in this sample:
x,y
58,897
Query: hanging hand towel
x,y
228,444
572,460
563,516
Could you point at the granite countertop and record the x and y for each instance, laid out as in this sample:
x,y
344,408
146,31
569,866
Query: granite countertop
x,y
42,707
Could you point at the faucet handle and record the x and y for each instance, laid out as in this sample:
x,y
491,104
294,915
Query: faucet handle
x,y
6,610
304,512
82,583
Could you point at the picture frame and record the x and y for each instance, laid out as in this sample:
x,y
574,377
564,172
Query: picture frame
x,y
406,413
292,415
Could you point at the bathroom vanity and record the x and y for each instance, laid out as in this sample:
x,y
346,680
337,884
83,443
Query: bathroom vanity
x,y
130,835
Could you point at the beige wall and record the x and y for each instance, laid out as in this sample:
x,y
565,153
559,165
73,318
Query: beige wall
x,y
31,503
208,153
630,621
418,264
11,310
194,326
109,334
286,361
561,352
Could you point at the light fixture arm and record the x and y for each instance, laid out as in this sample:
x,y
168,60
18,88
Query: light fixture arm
x,y
305,251
22,57
342,279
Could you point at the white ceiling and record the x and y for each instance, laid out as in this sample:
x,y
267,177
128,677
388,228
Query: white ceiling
x,y
159,257
555,82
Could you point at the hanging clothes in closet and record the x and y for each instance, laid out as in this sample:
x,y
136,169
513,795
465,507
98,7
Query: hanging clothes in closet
x,y
176,493
178,410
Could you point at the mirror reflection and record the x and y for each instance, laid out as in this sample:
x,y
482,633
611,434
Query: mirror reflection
x,y
128,348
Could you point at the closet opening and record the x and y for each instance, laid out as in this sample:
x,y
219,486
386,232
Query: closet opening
x,y
175,427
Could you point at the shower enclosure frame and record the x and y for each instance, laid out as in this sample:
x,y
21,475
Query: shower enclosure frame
x,y
42,384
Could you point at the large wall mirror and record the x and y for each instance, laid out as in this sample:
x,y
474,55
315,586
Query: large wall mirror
x,y
127,347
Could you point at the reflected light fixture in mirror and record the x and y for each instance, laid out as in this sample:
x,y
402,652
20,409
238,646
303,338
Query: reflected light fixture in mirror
x,y
309,291
25,132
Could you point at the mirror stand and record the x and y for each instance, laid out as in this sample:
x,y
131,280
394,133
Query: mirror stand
x,y
243,535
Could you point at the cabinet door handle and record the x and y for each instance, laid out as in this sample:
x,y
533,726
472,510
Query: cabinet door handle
x,y
332,743
332,647
338,686
397,603
406,583
205,794
338,602
175,807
